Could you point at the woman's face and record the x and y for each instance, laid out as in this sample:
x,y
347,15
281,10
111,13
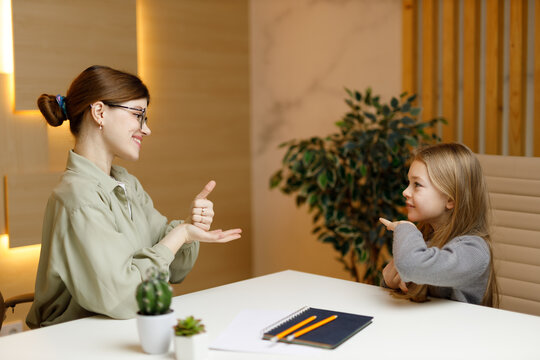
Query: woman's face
x,y
424,201
122,128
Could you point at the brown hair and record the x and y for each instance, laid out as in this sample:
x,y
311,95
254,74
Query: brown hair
x,y
93,84
455,171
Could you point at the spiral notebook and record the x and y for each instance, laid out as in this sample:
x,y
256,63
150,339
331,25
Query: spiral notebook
x,y
328,336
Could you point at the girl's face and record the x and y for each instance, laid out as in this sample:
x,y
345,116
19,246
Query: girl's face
x,y
424,201
122,130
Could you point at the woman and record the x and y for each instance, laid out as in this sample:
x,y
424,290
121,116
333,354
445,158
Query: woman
x,y
101,232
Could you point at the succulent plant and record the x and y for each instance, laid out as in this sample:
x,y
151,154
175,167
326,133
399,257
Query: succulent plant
x,y
154,294
188,327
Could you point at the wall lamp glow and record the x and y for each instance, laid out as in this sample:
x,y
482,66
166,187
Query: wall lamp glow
x,y
6,38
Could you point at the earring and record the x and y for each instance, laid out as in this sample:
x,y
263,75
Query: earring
x,y
100,126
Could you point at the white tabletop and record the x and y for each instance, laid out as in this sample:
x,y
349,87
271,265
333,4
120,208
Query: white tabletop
x,y
400,329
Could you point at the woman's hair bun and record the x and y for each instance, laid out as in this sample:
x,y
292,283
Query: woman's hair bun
x,y
51,109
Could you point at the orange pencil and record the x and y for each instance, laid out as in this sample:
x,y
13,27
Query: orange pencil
x,y
284,333
312,327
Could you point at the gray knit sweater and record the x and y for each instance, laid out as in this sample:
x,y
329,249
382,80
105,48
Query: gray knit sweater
x,y
458,271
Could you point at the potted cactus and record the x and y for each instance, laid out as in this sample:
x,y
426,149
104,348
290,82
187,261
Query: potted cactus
x,y
191,340
155,317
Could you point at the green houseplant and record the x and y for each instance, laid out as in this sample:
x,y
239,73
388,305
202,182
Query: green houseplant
x,y
350,178
191,340
155,317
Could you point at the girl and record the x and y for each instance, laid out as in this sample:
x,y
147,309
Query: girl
x,y
101,232
449,254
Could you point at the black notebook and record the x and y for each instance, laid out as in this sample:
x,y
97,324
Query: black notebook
x,y
329,335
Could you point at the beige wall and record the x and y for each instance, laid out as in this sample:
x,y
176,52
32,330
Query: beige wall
x,y
195,63
302,55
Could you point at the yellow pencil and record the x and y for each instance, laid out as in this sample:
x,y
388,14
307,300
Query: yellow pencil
x,y
282,334
312,327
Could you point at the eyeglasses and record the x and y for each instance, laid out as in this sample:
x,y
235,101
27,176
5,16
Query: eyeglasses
x,y
141,113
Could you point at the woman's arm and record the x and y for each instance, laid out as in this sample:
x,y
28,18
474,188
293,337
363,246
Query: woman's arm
x,y
100,266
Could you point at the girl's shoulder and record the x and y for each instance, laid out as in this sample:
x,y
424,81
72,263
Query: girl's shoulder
x,y
470,241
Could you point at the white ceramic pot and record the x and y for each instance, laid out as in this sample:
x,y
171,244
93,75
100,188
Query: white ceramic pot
x,y
156,332
191,347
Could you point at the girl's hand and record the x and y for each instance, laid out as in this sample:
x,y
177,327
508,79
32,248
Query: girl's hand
x,y
392,278
202,209
392,225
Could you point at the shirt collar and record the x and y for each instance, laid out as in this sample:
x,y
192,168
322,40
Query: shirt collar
x,y
81,165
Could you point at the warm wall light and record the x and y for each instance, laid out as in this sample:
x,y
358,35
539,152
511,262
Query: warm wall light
x,y
6,53
22,252
139,11
6,38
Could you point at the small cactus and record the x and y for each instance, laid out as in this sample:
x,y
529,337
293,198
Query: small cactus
x,y
154,294
188,327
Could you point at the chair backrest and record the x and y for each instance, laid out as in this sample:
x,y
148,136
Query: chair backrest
x,y
2,310
11,303
514,187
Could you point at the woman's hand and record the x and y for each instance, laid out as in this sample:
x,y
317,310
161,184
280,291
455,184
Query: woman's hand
x,y
195,233
187,233
392,225
392,278
196,227
202,209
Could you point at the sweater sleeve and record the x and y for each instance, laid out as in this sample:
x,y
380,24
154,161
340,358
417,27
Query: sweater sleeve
x,y
98,264
186,256
462,260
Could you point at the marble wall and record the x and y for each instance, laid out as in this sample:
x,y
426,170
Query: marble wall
x,y
303,54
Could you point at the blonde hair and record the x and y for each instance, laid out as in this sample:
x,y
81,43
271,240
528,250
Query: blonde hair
x,y
455,171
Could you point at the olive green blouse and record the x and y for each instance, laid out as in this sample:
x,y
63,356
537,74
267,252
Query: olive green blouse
x,y
100,236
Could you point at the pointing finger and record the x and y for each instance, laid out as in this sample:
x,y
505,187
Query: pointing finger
x,y
385,222
207,190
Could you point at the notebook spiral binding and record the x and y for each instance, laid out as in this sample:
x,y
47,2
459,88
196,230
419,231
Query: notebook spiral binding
x,y
284,320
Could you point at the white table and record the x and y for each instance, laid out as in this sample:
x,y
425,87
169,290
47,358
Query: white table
x,y
434,330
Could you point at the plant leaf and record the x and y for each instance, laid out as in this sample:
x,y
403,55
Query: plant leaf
x,y
415,111
322,180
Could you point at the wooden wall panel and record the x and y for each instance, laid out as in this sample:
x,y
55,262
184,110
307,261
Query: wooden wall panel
x,y
429,59
494,76
67,37
536,124
518,76
23,143
471,61
410,46
462,106
449,60
27,196
196,66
